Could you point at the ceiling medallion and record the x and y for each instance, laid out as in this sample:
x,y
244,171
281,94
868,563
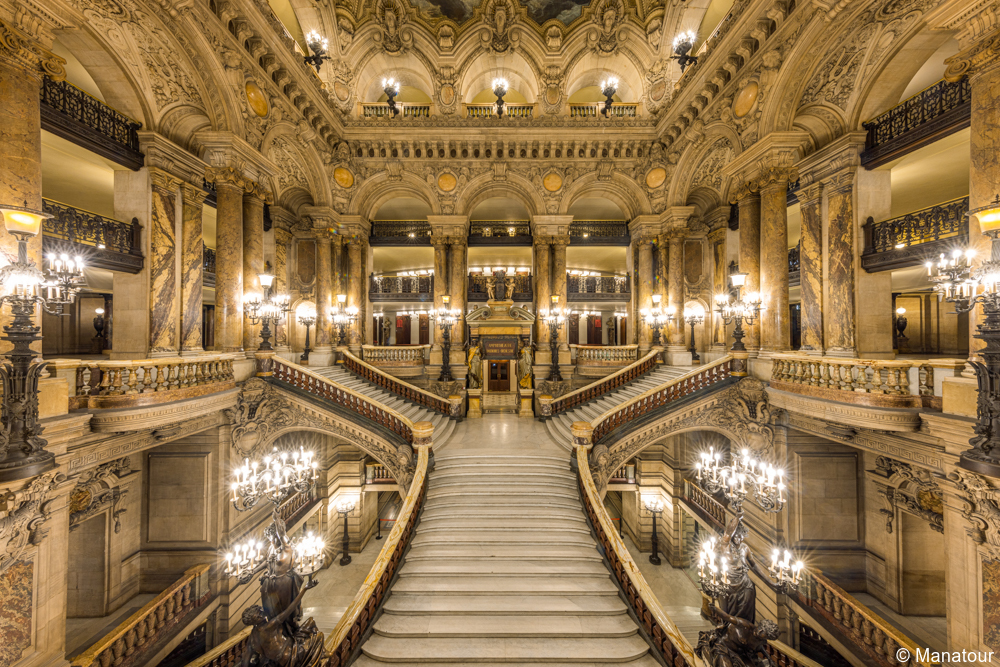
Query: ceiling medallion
x,y
655,177
344,177
552,181
257,99
745,99
447,182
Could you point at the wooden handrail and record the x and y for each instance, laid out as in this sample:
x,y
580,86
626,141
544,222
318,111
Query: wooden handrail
x,y
326,389
593,390
347,636
404,390
227,654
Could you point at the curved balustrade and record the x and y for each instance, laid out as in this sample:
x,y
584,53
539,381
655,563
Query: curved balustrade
x,y
156,618
378,355
605,355
346,638
667,640
405,390
327,390
676,389
550,407
110,384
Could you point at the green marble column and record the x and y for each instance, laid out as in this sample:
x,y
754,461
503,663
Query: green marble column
x,y
253,261
775,332
192,262
811,268
839,308
164,299
749,210
229,264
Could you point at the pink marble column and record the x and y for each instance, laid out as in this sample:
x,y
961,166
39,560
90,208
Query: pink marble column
x,y
324,294
749,211
675,287
192,263
839,308
164,301
253,261
775,333
229,266
811,269
542,289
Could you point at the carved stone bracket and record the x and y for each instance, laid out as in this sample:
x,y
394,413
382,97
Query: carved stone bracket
x,y
22,516
981,508
97,490
20,49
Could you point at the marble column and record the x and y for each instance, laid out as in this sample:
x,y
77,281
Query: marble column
x,y
192,262
458,261
749,211
675,291
839,308
663,275
282,237
253,261
542,289
356,290
811,268
559,245
441,285
720,283
164,300
645,278
338,264
775,333
229,266
325,338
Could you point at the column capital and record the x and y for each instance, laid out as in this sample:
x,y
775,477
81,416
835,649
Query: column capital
x,y
192,194
718,218
677,216
164,154
717,235
743,191
842,181
164,182
644,226
442,241
980,58
282,219
776,177
226,150
234,178
322,217
538,241
551,225
775,149
841,153
810,194
21,50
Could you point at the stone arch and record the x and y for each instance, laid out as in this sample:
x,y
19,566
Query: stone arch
x,y
375,191
590,69
628,195
179,124
308,160
483,187
515,68
822,122
414,75
716,135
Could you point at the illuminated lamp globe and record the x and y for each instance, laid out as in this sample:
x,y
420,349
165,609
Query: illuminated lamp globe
x,y
988,216
22,220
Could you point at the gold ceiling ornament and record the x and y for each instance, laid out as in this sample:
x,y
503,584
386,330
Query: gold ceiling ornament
x,y
655,177
344,177
746,99
257,99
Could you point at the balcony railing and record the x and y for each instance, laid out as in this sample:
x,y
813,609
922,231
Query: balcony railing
x,y
605,355
110,244
599,232
911,239
86,121
401,288
208,266
713,510
794,275
381,110
926,117
394,356
499,232
490,110
376,473
598,288
617,110
523,291
400,232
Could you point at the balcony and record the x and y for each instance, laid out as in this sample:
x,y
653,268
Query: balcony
x,y
928,116
107,243
912,239
599,232
419,289
598,288
72,114
400,232
594,110
499,232
490,110
479,283
381,110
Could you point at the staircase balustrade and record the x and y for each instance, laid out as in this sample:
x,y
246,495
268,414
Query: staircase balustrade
x,y
227,654
391,355
112,384
451,406
329,391
605,355
654,399
344,642
702,500
376,473
783,655
151,623
551,406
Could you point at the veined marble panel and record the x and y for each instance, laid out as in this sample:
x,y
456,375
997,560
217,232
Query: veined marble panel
x,y
16,607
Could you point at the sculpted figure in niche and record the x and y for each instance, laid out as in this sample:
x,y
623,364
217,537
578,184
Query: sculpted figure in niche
x,y
475,366
524,363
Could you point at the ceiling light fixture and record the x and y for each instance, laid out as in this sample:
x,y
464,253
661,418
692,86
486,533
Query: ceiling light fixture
x,y
683,43
608,88
391,88
319,46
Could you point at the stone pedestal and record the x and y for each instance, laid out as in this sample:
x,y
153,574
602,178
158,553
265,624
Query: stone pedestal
x,y
678,356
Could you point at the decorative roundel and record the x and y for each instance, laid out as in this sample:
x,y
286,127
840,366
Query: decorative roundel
x,y
447,182
655,177
344,177
552,181
745,99
257,99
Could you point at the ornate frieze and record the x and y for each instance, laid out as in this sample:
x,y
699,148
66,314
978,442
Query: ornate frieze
x,y
921,496
22,517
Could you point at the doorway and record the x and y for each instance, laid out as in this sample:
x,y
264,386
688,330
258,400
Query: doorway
x,y
499,376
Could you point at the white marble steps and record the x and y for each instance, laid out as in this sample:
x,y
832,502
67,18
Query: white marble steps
x,y
502,569
443,426
559,426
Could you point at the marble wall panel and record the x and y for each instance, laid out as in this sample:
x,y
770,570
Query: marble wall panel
x,y
840,304
694,262
811,273
991,604
16,610
178,492
305,261
164,304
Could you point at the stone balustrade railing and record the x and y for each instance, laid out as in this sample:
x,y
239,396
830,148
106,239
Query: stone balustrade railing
x,y
676,389
898,383
872,634
112,384
293,505
695,495
344,642
227,654
158,617
329,391
552,406
783,655
451,406
605,355
379,355
376,473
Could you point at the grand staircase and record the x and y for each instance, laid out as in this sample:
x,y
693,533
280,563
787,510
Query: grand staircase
x,y
503,569
443,426
559,425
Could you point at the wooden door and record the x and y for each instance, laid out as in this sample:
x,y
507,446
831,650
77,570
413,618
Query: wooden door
x,y
403,330
623,336
499,379
425,330
594,332
574,329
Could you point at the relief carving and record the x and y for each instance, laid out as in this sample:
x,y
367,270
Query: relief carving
x,y
981,508
608,16
97,490
391,17
500,16
22,517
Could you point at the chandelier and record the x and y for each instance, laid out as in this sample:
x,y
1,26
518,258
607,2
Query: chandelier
x,y
683,43
25,286
608,88
343,316
275,480
657,317
446,318
266,310
745,309
500,88
391,88
319,46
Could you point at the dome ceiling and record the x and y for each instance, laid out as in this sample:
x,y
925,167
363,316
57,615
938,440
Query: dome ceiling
x,y
540,11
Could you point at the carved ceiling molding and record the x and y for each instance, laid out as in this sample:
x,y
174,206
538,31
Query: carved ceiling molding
x,y
22,517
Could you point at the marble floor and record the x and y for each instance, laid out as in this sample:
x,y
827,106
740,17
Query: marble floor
x,y
82,633
499,433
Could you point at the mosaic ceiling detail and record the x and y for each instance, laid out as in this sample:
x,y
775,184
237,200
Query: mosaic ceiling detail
x,y
540,11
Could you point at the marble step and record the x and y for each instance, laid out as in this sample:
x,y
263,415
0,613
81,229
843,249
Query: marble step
x,y
500,503
508,480
526,626
504,585
526,512
474,567
366,661
505,605
494,459
495,493
548,466
438,551
514,533
464,523
494,538
574,651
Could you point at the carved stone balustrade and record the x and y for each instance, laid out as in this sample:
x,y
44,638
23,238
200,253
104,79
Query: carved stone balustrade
x,y
712,510
392,356
598,360
549,406
376,473
452,406
159,616
381,110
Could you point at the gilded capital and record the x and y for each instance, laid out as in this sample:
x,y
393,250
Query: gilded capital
x,y
842,181
810,195
232,176
745,190
20,50
164,182
776,177
192,195
982,57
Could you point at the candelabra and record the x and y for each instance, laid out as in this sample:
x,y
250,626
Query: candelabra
x,y
694,315
344,507
307,318
275,480
899,326
683,44
608,88
446,317
742,310
654,504
656,317
958,281
500,88
100,340
554,318
22,449
266,310
391,88
343,316
319,46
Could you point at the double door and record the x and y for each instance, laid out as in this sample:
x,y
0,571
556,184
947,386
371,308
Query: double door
x,y
499,377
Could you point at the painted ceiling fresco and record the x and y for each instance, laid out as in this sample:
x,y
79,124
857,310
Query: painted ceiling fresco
x,y
540,11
